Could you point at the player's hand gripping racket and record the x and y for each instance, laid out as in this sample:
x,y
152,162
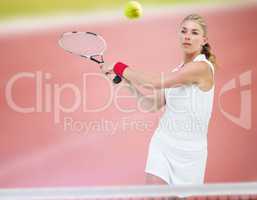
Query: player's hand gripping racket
x,y
85,44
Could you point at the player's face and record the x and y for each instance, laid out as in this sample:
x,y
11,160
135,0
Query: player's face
x,y
191,37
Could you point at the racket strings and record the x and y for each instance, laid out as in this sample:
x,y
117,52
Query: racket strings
x,y
83,44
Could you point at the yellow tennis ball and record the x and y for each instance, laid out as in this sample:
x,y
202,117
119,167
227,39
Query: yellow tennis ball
x,y
133,10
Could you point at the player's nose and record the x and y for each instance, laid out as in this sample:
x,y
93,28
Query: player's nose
x,y
187,38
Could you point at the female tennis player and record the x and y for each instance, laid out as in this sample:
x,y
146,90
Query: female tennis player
x,y
178,149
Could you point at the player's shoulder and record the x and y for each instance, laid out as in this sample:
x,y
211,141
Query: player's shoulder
x,y
197,66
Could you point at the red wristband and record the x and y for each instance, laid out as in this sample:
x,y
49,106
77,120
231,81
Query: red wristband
x,y
119,68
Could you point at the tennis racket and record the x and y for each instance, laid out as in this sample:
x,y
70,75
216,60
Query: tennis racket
x,y
87,45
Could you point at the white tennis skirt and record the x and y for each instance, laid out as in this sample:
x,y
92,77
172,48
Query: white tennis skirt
x,y
177,162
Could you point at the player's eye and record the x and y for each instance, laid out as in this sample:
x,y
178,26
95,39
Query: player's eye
x,y
195,33
183,31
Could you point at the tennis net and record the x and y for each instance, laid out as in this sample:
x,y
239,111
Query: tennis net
x,y
227,191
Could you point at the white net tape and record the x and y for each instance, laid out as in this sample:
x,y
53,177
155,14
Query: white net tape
x,y
245,190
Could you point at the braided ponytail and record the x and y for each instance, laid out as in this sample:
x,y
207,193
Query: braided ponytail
x,y
206,50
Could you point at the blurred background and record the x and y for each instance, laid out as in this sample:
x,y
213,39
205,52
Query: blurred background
x,y
18,8
82,149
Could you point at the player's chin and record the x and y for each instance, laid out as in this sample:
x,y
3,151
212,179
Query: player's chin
x,y
187,50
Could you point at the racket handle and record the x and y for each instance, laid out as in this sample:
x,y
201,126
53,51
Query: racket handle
x,y
117,79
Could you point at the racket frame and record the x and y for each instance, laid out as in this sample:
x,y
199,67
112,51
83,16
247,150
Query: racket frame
x,y
117,79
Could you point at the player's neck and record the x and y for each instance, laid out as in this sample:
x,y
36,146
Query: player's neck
x,y
190,57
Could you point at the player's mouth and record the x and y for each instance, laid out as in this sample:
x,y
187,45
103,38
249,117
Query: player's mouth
x,y
186,44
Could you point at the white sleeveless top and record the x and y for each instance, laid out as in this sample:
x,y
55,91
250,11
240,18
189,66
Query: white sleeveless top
x,y
188,111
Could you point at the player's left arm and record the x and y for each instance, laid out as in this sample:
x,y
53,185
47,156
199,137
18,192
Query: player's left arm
x,y
190,73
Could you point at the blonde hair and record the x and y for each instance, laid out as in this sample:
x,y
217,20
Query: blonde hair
x,y
206,49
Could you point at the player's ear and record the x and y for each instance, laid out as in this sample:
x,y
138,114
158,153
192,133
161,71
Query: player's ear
x,y
205,40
